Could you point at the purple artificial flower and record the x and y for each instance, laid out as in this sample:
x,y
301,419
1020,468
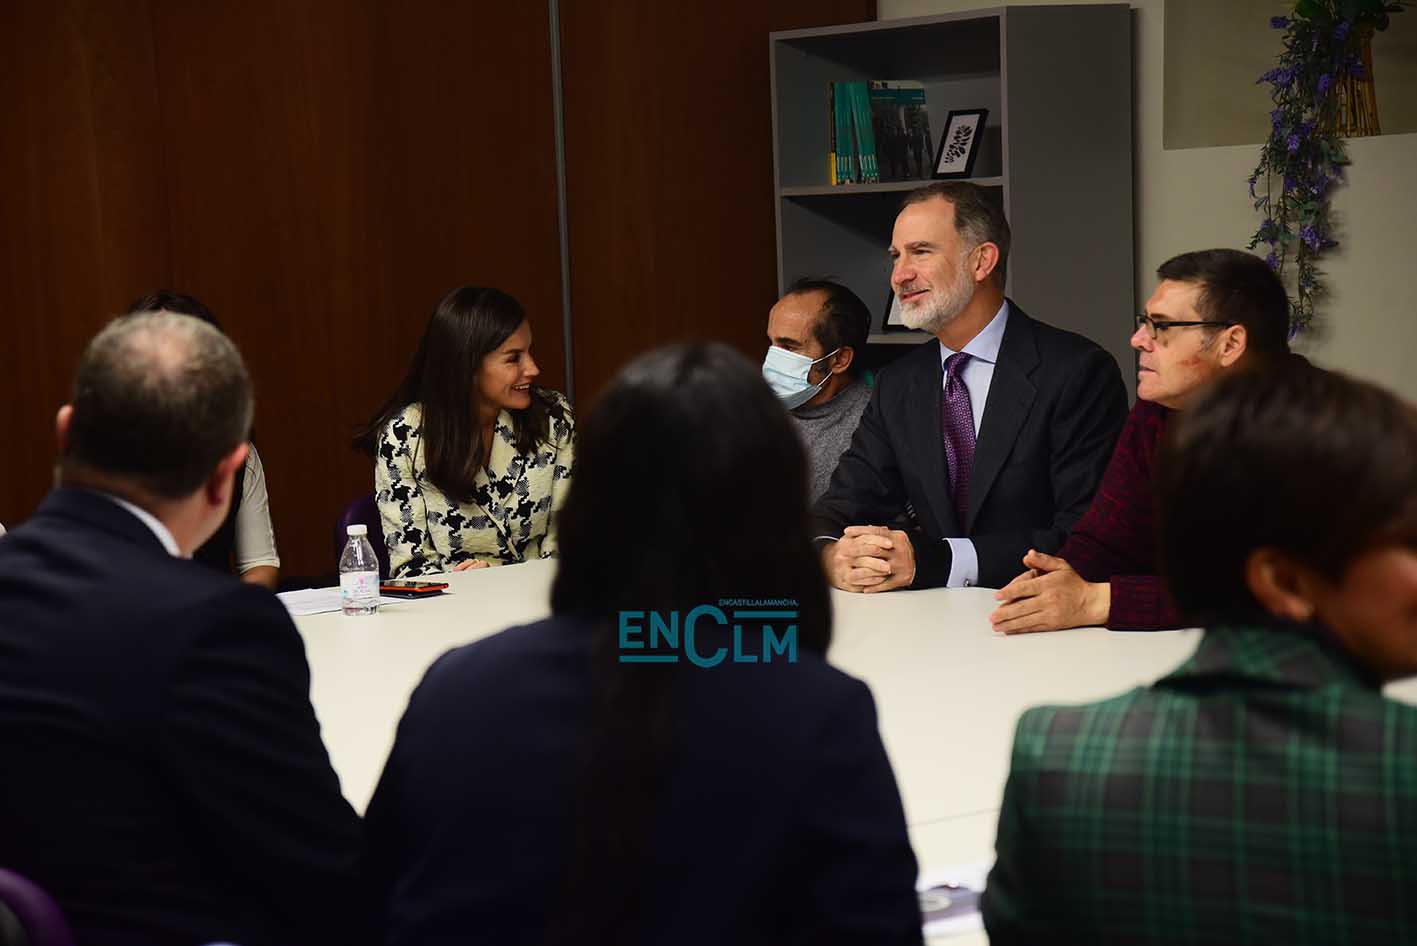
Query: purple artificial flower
x,y
1289,183
1324,82
1279,22
1341,32
1269,76
1273,262
1310,235
1321,183
1276,118
1292,143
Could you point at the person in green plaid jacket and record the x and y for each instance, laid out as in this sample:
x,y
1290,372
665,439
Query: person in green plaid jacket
x,y
1265,791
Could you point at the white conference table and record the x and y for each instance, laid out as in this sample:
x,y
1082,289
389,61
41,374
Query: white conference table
x,y
948,689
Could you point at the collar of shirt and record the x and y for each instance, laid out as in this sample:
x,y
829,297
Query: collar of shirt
x,y
152,522
985,345
1306,656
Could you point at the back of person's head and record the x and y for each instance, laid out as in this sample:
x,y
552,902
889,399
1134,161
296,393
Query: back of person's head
x,y
689,487
165,300
1237,288
159,399
979,218
844,321
1287,460
692,473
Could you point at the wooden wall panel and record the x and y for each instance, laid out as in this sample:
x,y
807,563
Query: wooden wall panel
x,y
669,171
318,172
76,190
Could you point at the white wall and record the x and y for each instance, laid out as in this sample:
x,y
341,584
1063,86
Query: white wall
x,y
1196,198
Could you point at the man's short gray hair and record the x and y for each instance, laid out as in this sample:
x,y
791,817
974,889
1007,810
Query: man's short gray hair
x,y
159,399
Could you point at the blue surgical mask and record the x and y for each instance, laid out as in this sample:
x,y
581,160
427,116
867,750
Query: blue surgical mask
x,y
786,373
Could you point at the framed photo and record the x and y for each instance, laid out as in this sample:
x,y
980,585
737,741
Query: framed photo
x,y
891,321
959,144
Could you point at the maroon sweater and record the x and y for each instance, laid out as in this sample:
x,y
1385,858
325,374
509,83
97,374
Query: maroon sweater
x,y
1115,540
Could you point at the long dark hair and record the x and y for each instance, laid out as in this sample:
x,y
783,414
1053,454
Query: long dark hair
x,y
469,323
690,469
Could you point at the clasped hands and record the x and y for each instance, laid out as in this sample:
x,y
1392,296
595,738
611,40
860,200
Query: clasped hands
x,y
870,559
1050,596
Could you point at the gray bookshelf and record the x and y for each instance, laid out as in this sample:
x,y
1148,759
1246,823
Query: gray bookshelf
x,y
1056,150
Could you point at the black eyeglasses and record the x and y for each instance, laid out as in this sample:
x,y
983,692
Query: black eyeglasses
x,y
1155,328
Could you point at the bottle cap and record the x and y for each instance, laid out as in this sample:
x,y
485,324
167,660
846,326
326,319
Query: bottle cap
x,y
358,528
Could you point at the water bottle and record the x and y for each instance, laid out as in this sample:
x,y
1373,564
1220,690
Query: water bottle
x,y
358,573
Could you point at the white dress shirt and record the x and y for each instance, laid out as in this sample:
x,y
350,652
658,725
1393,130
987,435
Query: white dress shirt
x,y
149,520
977,375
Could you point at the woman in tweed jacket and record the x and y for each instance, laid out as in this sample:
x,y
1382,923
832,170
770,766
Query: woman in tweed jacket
x,y
471,458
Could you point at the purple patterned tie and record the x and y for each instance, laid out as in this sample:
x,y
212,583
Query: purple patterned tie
x,y
957,429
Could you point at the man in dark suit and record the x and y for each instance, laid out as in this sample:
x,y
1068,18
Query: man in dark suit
x,y
993,440
164,775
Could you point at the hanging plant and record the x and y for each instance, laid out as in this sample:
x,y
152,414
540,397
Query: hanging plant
x,y
1325,48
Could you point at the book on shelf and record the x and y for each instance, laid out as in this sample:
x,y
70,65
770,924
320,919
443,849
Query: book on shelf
x,y
901,125
846,165
865,133
877,131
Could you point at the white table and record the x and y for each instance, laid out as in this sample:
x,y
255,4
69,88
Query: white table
x,y
948,689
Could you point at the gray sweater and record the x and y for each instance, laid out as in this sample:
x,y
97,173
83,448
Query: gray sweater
x,y
826,431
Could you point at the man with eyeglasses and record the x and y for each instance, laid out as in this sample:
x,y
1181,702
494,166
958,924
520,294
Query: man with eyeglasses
x,y
1215,312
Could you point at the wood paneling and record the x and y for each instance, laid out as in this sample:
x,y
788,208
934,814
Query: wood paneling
x,y
319,173
669,172
80,209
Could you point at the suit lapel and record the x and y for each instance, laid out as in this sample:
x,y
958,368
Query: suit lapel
x,y
1010,398
923,414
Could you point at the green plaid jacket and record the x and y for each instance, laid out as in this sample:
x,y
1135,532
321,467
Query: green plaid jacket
x,y
1263,792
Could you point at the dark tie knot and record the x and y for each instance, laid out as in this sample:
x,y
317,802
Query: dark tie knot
x,y
955,364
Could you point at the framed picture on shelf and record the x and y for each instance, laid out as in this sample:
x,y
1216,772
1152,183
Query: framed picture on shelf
x,y
891,321
959,144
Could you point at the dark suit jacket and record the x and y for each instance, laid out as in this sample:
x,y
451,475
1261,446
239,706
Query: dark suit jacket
x,y
1056,405
1263,792
164,776
778,821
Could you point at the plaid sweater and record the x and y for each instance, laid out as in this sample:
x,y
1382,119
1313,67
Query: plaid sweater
x,y
1115,540
1263,792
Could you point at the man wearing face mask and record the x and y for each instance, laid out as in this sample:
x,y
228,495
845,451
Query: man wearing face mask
x,y
815,331
994,437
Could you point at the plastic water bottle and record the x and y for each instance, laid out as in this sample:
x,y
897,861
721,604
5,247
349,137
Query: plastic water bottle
x,y
358,573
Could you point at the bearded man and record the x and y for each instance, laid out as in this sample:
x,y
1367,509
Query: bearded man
x,y
991,442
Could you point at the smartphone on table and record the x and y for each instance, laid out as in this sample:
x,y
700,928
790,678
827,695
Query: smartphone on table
x,y
411,588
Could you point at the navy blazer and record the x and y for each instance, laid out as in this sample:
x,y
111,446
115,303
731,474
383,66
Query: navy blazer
x,y
164,777
1055,408
778,821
